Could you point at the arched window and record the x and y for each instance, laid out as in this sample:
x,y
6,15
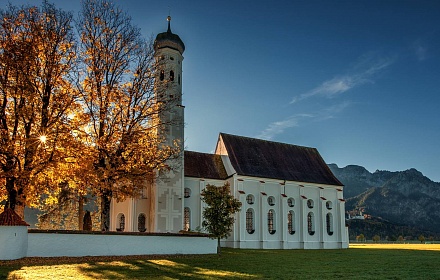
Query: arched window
x,y
171,75
162,75
311,223
120,222
291,222
310,203
187,192
186,218
141,223
271,221
329,205
271,200
250,199
329,223
291,202
250,221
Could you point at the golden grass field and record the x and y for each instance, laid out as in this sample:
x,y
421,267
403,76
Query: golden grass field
x,y
399,246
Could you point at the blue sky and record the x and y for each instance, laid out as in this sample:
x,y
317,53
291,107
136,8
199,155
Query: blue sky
x,y
358,80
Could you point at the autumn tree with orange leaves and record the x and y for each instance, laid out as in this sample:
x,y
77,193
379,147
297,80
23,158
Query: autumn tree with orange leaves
x,y
118,95
37,59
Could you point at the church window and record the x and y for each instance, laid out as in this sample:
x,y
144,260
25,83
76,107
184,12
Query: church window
x,y
162,75
271,221
291,222
250,221
310,203
121,222
271,200
186,218
141,223
171,58
329,205
329,223
187,193
310,223
178,79
291,202
171,75
250,199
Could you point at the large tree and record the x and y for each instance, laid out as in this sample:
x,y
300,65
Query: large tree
x,y
37,57
219,213
118,96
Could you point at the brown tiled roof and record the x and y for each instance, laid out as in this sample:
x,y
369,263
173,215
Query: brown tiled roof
x,y
10,218
201,165
267,159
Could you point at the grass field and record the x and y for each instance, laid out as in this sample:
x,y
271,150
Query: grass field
x,y
361,261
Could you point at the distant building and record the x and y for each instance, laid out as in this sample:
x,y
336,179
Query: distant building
x,y
290,198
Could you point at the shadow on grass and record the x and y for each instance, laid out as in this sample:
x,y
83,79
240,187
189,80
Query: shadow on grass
x,y
356,263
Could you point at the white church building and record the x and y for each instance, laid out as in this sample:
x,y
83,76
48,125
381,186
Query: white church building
x,y
290,198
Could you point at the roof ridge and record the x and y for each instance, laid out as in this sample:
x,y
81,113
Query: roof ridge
x,y
268,141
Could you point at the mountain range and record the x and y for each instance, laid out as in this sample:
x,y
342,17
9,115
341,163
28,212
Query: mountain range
x,y
406,198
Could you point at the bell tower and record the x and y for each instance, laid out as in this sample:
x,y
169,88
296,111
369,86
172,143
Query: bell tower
x,y
168,53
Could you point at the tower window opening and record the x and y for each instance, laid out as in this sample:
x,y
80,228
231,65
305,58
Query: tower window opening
x,y
171,75
171,58
162,75
178,79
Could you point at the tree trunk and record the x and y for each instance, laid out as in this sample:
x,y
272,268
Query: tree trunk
x,y
12,193
219,249
105,210
81,213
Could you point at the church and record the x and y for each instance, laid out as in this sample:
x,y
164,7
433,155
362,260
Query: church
x,y
290,198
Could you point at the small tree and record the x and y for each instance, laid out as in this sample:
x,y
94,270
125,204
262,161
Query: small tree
x,y
220,210
400,238
422,238
360,237
376,238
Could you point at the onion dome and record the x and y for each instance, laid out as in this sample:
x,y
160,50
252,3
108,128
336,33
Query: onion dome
x,y
169,40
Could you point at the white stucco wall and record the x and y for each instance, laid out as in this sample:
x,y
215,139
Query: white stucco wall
x,y
77,245
281,191
13,242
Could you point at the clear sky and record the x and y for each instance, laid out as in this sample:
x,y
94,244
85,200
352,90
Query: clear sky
x,y
358,80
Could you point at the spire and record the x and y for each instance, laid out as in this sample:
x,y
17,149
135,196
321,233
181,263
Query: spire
x,y
169,24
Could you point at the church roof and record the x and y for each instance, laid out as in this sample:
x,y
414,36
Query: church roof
x,y
201,165
169,40
10,218
267,159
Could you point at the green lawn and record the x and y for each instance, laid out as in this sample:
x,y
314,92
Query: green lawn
x,y
358,262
